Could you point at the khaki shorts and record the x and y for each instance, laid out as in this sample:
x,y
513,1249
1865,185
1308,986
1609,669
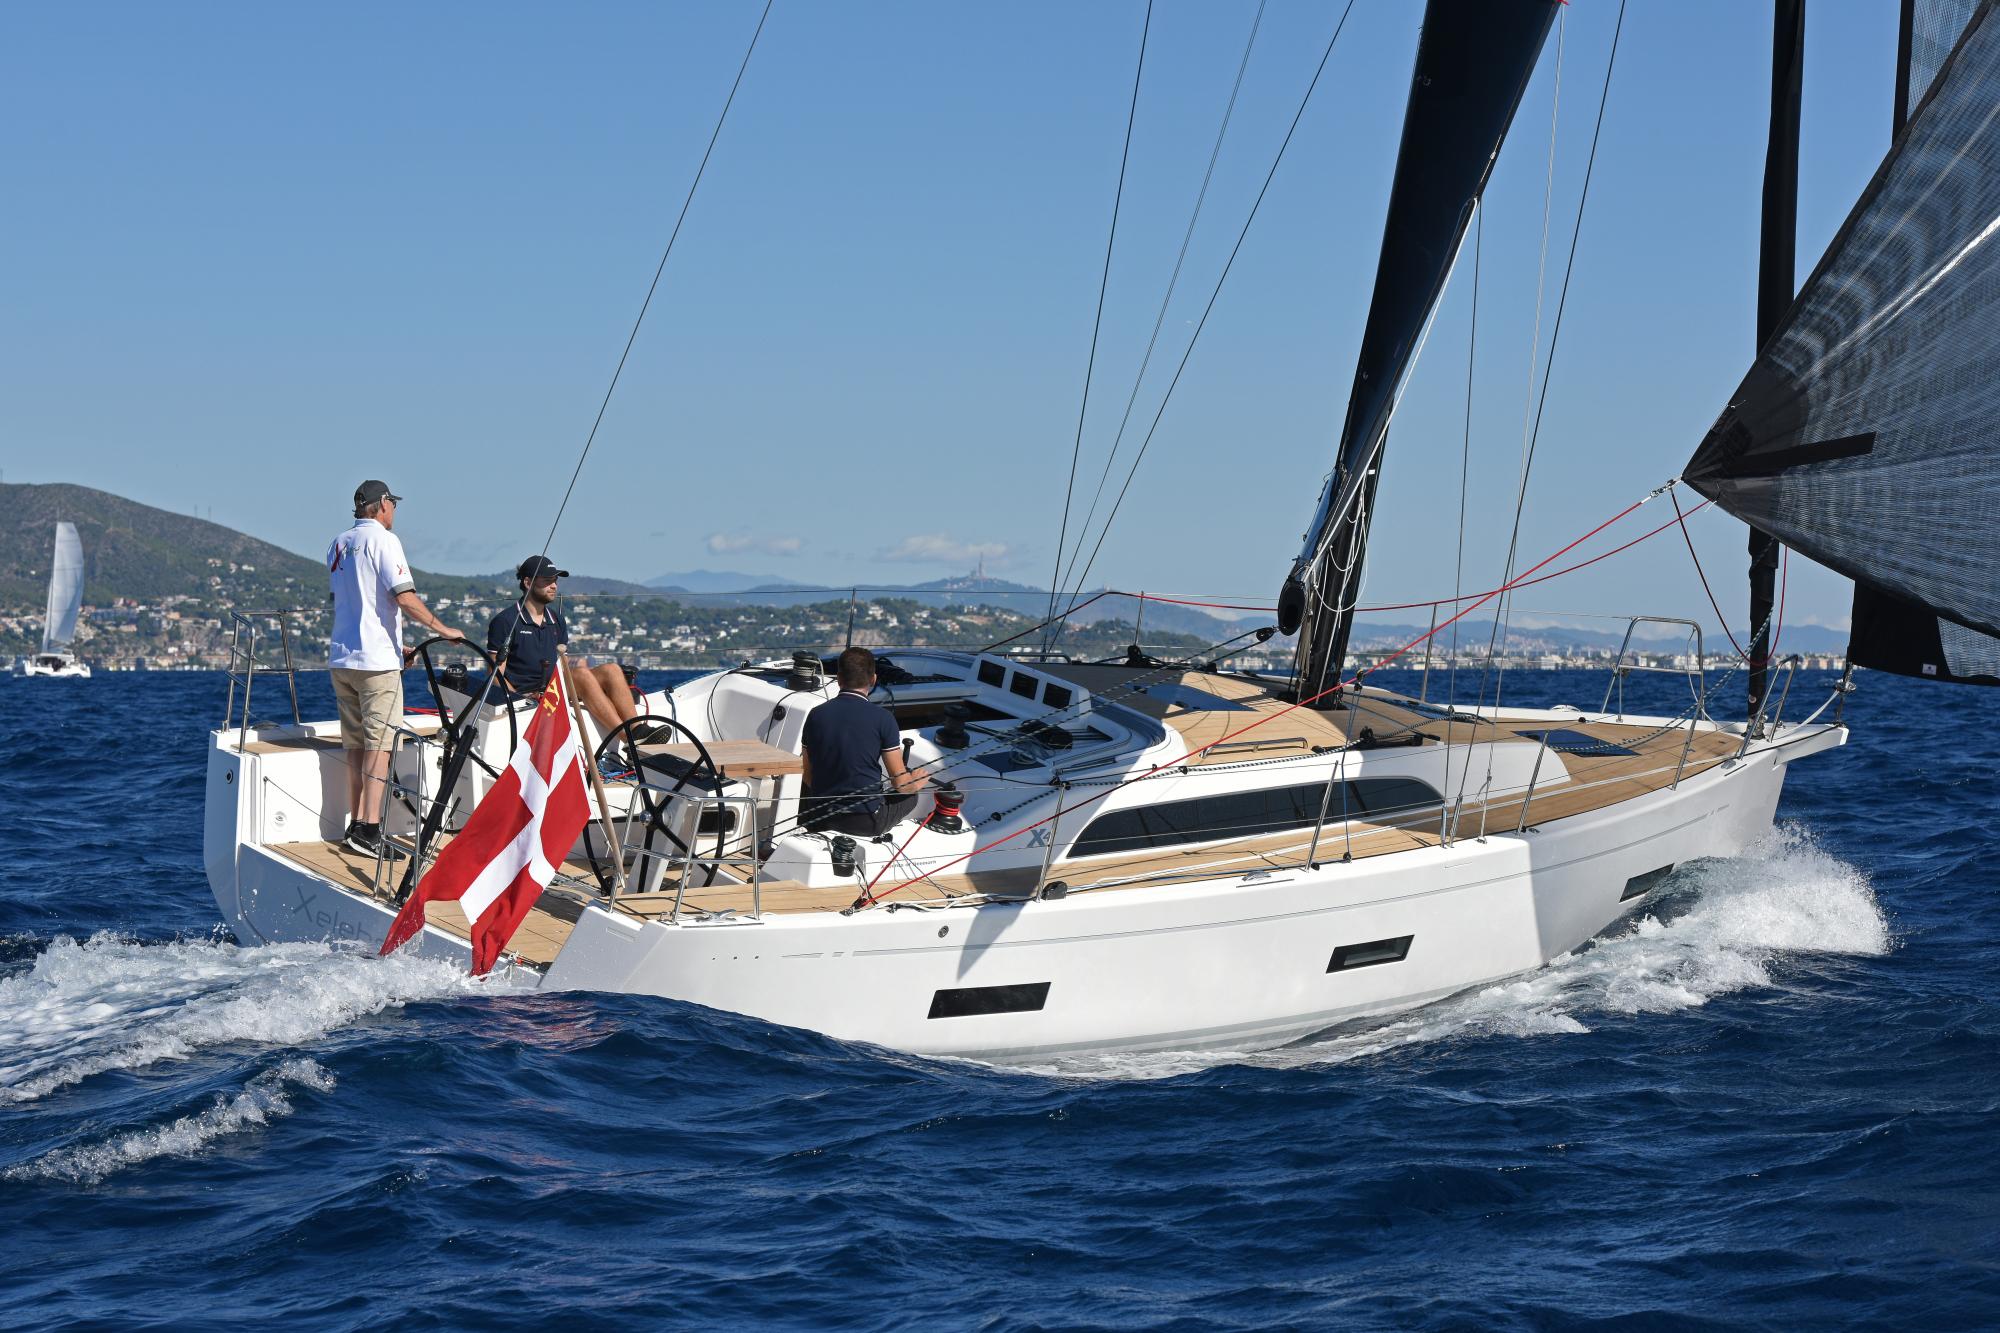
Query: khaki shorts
x,y
371,707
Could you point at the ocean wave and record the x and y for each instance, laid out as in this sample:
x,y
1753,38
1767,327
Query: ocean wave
x,y
265,1098
111,1003
1785,897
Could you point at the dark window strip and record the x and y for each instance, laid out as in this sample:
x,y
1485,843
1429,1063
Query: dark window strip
x,y
1350,956
1025,998
1250,813
1645,883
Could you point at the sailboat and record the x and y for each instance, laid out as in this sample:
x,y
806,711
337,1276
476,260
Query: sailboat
x,y
65,603
1145,854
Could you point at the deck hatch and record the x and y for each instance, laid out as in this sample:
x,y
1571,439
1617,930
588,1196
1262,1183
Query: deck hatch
x,y
966,1001
1564,741
1645,883
1194,700
1350,956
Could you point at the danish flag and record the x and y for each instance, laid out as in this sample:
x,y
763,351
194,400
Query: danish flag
x,y
510,847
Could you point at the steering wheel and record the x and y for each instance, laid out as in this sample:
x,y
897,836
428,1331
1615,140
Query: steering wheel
x,y
449,729
622,741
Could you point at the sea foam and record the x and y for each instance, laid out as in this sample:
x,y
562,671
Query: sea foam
x,y
1784,897
265,1098
110,1003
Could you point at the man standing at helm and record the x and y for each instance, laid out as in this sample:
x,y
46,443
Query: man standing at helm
x,y
372,591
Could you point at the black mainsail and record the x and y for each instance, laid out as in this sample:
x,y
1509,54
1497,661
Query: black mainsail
x,y
1867,432
1474,59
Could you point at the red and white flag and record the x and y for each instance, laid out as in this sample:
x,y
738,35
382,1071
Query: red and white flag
x,y
510,847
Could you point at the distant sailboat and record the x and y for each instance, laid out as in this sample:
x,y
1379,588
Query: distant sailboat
x,y
65,601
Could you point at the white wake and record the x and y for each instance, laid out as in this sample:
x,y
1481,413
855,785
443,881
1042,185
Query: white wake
x,y
1785,897
265,1098
111,1004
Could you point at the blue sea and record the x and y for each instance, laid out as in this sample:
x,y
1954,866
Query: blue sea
x,y
1772,1101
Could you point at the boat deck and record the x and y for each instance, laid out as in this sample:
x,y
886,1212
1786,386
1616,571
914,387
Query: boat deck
x,y
1245,718
1645,759
540,938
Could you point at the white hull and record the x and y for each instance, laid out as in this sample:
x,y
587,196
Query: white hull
x,y
1239,961
53,666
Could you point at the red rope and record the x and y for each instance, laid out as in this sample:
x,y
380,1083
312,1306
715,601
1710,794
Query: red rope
x,y
1529,583
1183,601
1720,618
867,898
1289,708
1445,601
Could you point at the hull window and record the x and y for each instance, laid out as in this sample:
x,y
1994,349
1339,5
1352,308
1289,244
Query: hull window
x,y
966,1001
1645,883
1350,956
1244,814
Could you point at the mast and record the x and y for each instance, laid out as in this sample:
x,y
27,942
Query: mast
x,y
1473,62
1777,262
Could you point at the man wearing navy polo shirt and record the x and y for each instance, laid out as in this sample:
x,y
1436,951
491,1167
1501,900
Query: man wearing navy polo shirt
x,y
528,639
849,745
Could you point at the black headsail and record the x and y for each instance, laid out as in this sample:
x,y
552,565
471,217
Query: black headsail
x,y
1867,432
1892,633
1473,63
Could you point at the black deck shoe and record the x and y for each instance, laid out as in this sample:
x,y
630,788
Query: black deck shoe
x,y
364,838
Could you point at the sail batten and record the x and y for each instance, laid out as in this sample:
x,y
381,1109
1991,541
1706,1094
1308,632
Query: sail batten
x,y
1474,60
1867,433
65,591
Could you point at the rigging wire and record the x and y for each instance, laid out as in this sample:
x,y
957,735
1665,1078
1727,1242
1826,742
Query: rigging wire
x,y
1464,471
1103,284
1555,336
1160,319
1268,718
1719,617
646,305
1076,584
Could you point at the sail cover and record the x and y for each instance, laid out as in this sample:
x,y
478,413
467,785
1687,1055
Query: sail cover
x,y
1867,433
65,590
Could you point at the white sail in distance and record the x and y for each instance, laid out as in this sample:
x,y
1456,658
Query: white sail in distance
x,y
65,590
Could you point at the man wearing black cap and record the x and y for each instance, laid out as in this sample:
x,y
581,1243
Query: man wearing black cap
x,y
528,638
370,580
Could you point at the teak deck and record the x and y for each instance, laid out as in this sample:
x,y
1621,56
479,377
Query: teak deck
x,y
1595,782
540,938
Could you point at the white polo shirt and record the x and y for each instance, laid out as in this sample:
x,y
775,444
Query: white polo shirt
x,y
366,569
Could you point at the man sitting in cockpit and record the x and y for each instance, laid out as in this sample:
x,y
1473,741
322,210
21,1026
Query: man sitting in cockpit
x,y
851,745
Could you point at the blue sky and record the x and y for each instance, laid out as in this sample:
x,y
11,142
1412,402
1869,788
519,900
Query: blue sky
x,y
255,253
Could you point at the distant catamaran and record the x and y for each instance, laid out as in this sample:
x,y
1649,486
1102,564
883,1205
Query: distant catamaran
x,y
65,601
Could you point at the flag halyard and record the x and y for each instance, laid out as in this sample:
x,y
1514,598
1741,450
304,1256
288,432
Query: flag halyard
x,y
499,863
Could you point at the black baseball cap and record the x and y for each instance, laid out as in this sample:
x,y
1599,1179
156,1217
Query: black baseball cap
x,y
538,566
368,492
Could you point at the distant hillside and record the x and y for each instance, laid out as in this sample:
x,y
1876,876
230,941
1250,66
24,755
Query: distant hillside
x,y
716,580
577,585
708,587
137,551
